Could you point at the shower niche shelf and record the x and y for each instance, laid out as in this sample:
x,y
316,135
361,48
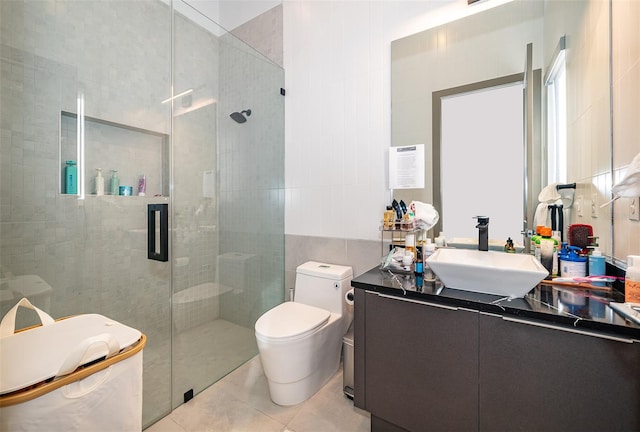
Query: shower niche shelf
x,y
131,150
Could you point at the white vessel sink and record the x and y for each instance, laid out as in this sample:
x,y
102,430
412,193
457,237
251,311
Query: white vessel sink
x,y
489,272
472,243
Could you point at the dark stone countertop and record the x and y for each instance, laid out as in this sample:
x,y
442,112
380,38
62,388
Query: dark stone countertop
x,y
579,309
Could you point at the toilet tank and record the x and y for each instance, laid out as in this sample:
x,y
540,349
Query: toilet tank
x,y
323,285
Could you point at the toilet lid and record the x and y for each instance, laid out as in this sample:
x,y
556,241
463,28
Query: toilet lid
x,y
291,319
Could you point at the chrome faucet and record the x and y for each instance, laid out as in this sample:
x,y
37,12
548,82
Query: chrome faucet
x,y
483,232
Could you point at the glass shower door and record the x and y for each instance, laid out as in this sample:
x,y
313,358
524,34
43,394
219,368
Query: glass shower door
x,y
227,200
79,84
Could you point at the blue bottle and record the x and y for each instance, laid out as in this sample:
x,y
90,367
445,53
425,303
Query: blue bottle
x,y
71,178
597,265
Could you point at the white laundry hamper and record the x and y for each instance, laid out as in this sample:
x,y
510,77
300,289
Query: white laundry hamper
x,y
81,373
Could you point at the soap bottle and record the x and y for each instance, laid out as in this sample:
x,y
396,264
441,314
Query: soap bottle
x,y
597,265
548,251
632,280
509,247
389,218
71,178
115,183
99,182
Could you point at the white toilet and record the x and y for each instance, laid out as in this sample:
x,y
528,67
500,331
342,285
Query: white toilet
x,y
300,341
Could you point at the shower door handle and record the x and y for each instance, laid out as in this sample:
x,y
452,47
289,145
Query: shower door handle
x,y
155,251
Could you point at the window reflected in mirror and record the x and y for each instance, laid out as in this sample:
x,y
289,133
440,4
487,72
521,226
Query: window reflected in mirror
x,y
556,83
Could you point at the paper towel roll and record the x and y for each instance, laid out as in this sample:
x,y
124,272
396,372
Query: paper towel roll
x,y
348,297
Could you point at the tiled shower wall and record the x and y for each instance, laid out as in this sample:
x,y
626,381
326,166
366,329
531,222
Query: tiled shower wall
x,y
92,252
264,33
89,251
251,202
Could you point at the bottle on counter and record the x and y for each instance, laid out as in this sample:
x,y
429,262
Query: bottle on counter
x,y
597,265
509,247
632,280
533,243
389,218
419,267
548,251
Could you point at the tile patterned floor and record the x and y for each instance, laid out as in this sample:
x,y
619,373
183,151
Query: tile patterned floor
x,y
240,402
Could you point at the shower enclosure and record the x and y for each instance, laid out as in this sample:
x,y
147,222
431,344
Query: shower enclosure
x,y
145,88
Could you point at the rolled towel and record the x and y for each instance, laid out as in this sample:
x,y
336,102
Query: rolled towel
x,y
426,216
629,185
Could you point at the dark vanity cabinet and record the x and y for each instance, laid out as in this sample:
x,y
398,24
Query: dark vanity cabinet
x,y
540,377
421,365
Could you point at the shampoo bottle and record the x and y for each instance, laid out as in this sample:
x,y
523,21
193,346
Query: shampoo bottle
x,y
548,251
71,178
632,280
99,182
115,183
534,244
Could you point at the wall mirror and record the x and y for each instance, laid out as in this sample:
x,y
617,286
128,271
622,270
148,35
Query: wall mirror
x,y
484,47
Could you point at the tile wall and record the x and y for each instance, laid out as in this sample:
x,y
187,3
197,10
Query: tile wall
x,y
626,117
586,27
92,253
88,251
251,161
591,131
264,33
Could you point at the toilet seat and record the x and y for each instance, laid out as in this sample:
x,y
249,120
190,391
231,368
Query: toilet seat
x,y
290,320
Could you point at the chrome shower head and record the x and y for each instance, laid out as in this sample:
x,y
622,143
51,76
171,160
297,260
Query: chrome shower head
x,y
240,116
